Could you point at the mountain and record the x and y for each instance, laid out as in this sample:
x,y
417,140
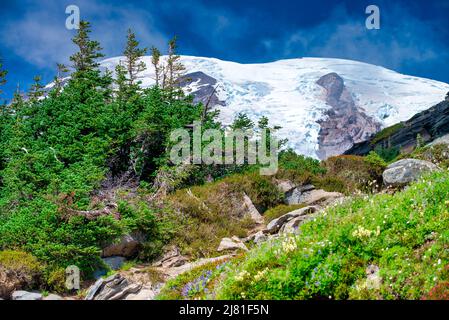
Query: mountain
x,y
319,116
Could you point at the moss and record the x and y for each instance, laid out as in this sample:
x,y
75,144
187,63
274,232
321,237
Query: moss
x,y
387,132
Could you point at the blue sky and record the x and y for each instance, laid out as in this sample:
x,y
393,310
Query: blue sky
x,y
413,39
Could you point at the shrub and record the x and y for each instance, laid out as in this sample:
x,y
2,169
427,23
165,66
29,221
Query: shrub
x,y
18,270
350,173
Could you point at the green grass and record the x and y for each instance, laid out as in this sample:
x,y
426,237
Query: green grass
x,y
387,132
406,235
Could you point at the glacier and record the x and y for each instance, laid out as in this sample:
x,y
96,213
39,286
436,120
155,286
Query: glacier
x,y
286,92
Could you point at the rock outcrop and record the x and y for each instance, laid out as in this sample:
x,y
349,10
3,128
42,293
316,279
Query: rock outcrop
x,y
431,124
402,172
345,124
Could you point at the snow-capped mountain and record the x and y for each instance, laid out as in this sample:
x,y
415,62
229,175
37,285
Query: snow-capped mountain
x,y
289,93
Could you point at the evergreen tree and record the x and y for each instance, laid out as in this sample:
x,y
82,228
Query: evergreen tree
x,y
3,74
155,61
61,71
36,91
133,55
174,69
89,50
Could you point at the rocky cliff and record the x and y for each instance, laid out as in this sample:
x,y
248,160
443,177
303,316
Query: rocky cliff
x,y
430,124
345,123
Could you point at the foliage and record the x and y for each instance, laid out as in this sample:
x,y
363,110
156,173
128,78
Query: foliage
x,y
387,132
349,173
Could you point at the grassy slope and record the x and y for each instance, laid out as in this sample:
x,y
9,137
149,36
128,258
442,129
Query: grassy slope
x,y
406,235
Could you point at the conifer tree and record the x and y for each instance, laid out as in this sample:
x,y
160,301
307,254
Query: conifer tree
x,y
36,91
175,69
61,71
3,74
89,50
155,61
133,55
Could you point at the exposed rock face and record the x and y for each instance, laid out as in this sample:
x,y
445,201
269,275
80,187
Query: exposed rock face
x,y
345,124
404,171
296,195
202,88
430,124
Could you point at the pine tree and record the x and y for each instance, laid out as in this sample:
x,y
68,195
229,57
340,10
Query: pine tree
x,y
61,71
133,55
175,69
89,51
155,61
3,74
36,91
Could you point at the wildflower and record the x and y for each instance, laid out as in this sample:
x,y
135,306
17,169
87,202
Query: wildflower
x,y
261,274
361,233
289,245
242,275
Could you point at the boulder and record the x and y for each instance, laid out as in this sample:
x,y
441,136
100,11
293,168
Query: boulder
x,y
276,224
25,295
115,287
146,293
293,225
294,195
285,185
252,210
321,197
128,246
171,258
260,237
233,243
402,172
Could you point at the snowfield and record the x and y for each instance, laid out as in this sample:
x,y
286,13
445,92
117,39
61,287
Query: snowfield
x,y
286,92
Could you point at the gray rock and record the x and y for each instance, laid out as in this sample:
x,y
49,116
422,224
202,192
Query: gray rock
x,y
128,246
276,224
285,185
294,196
402,172
171,258
25,295
260,237
252,211
233,243
115,287
321,197
293,225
